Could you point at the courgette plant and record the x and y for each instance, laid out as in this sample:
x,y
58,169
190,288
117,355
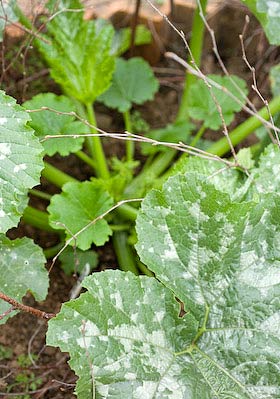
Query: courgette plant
x,y
204,321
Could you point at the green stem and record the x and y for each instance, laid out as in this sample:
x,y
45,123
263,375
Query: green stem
x,y
196,46
96,147
198,136
127,212
38,219
144,268
40,194
84,157
52,251
124,253
161,162
55,176
119,227
129,143
237,135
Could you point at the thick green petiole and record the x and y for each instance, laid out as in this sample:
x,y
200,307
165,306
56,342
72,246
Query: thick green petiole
x,y
127,212
52,251
237,135
40,194
96,147
129,143
198,136
38,219
123,250
84,157
159,165
196,46
55,176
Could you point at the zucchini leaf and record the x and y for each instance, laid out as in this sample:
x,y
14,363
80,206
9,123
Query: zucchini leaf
x,y
20,161
7,11
79,53
133,82
21,270
46,122
221,260
77,206
268,13
203,107
122,39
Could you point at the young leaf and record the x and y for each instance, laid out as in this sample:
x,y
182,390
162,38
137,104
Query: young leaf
x,y
20,161
122,39
50,123
172,133
79,55
268,13
21,270
245,158
202,105
75,261
78,205
128,330
133,82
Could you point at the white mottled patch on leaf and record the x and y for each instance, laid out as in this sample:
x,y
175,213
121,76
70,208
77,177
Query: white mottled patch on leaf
x,y
3,121
5,150
117,300
21,166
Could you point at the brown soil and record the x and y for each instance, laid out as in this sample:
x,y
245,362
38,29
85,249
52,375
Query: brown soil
x,y
24,334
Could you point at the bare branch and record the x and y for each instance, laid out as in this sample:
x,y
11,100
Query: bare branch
x,y
17,305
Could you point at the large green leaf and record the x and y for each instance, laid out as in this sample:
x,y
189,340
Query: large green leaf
x,y
50,123
20,161
203,107
228,180
78,205
79,54
21,270
198,230
128,329
222,260
133,82
268,13
265,178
